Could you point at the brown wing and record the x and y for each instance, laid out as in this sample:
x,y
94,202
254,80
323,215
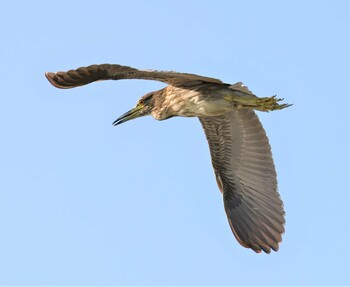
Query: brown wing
x,y
245,173
86,75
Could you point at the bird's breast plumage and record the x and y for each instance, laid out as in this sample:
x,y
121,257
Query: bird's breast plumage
x,y
193,102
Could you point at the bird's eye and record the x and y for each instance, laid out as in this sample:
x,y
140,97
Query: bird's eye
x,y
141,102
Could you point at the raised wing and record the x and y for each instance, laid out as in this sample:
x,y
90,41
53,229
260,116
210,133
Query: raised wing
x,y
86,75
245,173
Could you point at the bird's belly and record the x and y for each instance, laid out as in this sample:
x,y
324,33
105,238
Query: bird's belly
x,y
199,107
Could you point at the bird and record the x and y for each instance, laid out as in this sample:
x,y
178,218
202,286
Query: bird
x,y
239,147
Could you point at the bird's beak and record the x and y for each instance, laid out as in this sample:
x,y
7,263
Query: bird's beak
x,y
130,115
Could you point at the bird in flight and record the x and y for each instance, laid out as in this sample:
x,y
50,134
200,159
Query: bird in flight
x,y
239,148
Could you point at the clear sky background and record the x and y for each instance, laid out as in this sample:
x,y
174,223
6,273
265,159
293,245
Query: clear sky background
x,y
84,203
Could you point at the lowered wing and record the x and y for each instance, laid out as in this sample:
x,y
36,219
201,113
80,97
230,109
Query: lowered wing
x,y
245,173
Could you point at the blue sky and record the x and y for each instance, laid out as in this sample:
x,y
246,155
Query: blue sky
x,y
85,203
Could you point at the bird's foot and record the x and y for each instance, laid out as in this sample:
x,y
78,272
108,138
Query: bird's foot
x,y
269,104
265,104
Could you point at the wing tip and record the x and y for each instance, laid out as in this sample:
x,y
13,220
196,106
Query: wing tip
x,y
256,247
267,247
53,79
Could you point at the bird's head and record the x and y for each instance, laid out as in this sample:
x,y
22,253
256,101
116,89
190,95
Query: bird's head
x,y
143,107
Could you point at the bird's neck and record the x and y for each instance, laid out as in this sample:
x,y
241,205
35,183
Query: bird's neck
x,y
173,101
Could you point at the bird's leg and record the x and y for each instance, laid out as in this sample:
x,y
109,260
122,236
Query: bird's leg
x,y
265,104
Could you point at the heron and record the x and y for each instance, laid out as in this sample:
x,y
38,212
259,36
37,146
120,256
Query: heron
x,y
239,147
